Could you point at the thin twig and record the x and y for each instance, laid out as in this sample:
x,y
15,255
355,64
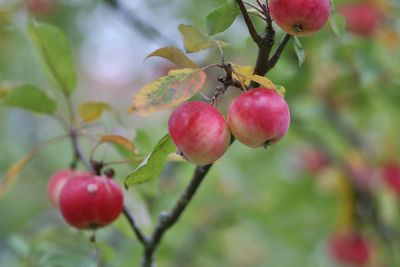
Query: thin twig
x,y
140,236
78,155
258,15
274,59
168,219
254,6
144,28
250,26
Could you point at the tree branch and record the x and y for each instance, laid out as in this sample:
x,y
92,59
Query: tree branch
x,y
140,236
144,28
263,65
77,153
252,30
274,59
167,220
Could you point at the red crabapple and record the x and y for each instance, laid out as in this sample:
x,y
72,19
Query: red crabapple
x,y
88,201
361,18
300,17
57,182
350,248
199,131
259,117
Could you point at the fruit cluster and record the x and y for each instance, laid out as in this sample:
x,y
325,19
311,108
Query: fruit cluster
x,y
86,201
256,118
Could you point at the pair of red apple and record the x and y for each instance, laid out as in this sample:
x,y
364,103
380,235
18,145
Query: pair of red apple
x,y
256,118
86,201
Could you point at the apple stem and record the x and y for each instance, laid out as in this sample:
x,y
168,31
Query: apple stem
x,y
97,253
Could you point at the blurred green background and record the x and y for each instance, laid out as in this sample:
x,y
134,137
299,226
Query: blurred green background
x,y
276,207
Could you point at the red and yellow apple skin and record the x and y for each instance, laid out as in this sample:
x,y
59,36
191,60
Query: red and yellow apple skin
x,y
88,201
361,18
57,182
350,248
259,117
300,17
199,131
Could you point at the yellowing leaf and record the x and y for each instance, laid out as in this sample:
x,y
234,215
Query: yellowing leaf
x,y
11,175
91,111
6,86
262,81
281,90
193,39
168,91
245,75
3,92
242,73
119,140
176,56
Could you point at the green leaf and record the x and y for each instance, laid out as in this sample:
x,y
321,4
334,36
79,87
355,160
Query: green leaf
x,y
153,165
56,53
30,98
338,24
168,91
193,39
222,18
298,48
176,56
91,111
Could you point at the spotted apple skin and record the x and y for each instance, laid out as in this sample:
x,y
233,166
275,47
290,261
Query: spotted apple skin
x,y
259,117
300,17
199,132
89,201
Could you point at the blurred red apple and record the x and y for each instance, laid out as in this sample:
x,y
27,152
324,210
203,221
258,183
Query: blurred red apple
x,y
311,160
41,7
350,247
361,18
57,182
391,176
